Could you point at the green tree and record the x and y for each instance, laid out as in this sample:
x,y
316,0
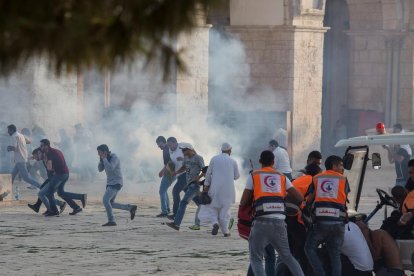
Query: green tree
x,y
80,34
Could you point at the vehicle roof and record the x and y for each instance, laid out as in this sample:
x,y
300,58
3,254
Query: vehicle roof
x,y
381,139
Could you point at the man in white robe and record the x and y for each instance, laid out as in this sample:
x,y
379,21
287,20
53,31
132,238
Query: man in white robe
x,y
219,182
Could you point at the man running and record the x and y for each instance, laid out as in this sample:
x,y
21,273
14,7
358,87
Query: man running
x,y
37,155
56,166
19,148
110,163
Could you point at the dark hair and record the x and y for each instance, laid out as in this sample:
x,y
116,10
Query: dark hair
x,y
103,148
399,192
45,142
12,128
36,150
172,140
332,161
398,125
411,163
161,139
273,143
313,169
315,154
267,158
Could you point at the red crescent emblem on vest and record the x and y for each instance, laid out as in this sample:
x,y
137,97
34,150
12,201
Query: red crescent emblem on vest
x,y
326,186
270,181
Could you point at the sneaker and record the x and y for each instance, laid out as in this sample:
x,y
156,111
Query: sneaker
x,y
162,215
173,226
215,229
84,200
171,217
227,235
110,223
231,222
62,208
33,207
75,211
132,211
50,214
194,227
45,212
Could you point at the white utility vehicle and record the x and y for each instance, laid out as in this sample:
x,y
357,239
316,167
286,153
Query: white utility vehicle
x,y
355,163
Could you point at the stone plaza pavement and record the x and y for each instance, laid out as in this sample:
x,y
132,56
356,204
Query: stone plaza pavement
x,y
77,245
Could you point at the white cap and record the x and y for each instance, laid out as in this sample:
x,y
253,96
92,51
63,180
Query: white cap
x,y
185,146
225,147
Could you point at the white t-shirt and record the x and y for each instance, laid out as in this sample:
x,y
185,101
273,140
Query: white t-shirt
x,y
356,248
20,152
282,161
406,147
174,155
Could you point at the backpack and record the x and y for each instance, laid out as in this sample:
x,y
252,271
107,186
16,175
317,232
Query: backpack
x,y
244,222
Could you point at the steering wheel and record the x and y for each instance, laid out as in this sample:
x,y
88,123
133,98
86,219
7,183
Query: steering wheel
x,y
386,199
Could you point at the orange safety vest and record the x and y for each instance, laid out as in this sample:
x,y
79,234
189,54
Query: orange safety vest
x,y
302,184
330,196
408,203
269,191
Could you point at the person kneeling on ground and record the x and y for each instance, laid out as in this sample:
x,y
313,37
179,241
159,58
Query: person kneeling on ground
x,y
400,224
384,251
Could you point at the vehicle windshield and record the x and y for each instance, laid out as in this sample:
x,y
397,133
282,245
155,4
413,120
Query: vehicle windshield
x,y
354,176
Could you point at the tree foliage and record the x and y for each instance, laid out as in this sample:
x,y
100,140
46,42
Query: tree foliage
x,y
80,34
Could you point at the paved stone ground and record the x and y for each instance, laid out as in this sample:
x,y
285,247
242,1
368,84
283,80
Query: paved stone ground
x,y
77,245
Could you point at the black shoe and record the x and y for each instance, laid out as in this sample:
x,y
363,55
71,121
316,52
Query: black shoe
x,y
33,207
162,215
173,226
75,211
62,208
227,235
215,229
132,211
84,200
51,214
45,212
171,217
110,223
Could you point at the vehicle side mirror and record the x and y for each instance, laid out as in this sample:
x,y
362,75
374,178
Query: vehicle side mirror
x,y
376,161
348,160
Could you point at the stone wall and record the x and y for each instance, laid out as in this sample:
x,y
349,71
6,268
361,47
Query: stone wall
x,y
16,98
306,104
192,85
269,55
54,100
34,95
406,97
381,58
368,72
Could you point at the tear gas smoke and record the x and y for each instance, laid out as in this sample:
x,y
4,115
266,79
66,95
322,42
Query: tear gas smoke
x,y
143,107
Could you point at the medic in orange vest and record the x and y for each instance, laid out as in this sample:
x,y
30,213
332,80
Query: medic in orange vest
x,y
302,184
329,194
269,192
267,189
